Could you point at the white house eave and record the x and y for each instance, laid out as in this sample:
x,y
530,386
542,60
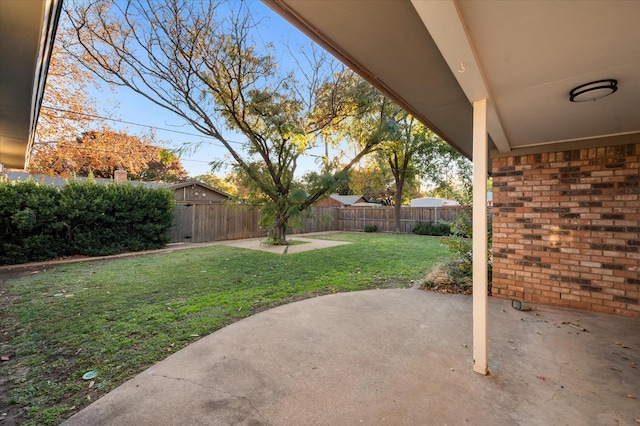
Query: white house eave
x,y
52,10
443,22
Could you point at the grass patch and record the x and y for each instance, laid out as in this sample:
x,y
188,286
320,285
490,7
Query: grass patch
x,y
119,317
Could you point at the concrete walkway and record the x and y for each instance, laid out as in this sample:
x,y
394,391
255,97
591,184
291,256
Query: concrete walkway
x,y
308,243
305,244
390,357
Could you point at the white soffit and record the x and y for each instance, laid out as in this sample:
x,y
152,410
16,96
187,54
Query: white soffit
x,y
443,21
532,53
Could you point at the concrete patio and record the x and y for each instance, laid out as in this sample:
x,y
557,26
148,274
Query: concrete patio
x,y
397,357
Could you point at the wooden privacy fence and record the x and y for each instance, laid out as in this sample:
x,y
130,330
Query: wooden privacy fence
x,y
356,218
198,223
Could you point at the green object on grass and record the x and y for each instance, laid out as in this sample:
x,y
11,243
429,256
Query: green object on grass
x,y
89,375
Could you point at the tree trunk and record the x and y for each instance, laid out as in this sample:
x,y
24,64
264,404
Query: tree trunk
x,y
397,208
278,235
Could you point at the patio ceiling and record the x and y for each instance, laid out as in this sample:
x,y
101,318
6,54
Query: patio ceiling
x,y
436,57
27,31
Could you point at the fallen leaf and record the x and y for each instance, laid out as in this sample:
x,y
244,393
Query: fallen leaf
x,y
541,377
4,358
631,396
91,383
618,343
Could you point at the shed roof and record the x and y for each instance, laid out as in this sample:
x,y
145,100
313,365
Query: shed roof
x,y
201,184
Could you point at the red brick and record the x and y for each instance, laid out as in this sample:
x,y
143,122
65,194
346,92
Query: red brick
x,y
577,252
603,309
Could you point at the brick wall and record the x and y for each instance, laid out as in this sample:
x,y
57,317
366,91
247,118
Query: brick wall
x,y
566,228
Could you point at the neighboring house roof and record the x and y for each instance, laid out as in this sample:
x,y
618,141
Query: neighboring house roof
x,y
58,182
348,200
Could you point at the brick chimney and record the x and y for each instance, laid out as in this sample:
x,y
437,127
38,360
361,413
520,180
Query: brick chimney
x,y
120,175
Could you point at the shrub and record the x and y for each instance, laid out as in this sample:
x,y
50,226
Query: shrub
x,y
460,243
39,222
109,219
430,228
29,225
448,278
371,228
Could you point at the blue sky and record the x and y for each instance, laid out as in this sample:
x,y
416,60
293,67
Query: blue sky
x,y
134,108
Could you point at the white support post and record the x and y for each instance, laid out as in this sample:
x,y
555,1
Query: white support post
x,y
480,287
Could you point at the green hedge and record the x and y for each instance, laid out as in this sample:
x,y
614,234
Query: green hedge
x,y
39,222
430,228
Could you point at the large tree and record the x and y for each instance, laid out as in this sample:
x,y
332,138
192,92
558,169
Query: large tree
x,y
225,184
405,142
199,61
446,172
67,107
401,153
100,153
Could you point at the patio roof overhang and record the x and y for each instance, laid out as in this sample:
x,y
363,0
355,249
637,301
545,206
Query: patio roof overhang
x,y
435,58
27,33
490,75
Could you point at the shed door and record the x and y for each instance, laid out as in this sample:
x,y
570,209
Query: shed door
x,y
182,230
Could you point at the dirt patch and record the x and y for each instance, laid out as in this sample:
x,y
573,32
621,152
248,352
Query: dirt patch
x,y
442,279
9,364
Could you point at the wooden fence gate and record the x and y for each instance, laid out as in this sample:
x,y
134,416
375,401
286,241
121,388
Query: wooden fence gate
x,y
199,223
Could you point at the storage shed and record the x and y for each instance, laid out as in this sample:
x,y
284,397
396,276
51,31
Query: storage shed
x,y
198,192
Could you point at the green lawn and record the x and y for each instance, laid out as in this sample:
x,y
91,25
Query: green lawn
x,y
118,317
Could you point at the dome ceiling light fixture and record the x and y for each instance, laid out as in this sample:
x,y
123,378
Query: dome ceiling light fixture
x,y
594,90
